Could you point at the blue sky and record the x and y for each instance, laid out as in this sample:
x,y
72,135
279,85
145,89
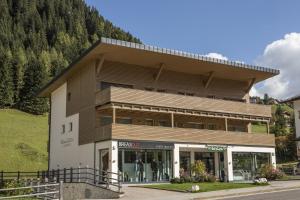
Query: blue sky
x,y
237,29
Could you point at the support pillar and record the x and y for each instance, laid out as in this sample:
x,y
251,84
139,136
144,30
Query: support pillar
x,y
228,165
172,120
113,115
217,167
226,124
273,159
268,127
176,161
113,160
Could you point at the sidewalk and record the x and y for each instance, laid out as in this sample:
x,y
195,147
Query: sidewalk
x,y
132,193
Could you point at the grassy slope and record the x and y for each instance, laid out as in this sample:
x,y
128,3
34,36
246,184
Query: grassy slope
x,y
23,141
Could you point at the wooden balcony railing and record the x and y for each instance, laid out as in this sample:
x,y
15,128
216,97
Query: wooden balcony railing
x,y
167,100
186,135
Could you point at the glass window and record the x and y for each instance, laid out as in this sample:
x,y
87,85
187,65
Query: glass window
x,y
129,156
195,125
124,120
149,122
212,126
237,128
105,120
162,123
209,160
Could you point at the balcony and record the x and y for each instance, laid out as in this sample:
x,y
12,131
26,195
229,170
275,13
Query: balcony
x,y
185,135
175,101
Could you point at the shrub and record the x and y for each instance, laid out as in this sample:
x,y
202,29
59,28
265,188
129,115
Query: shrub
x,y
270,173
211,178
15,184
175,180
199,168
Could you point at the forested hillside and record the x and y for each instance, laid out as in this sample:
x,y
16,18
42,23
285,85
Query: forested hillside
x,y
38,38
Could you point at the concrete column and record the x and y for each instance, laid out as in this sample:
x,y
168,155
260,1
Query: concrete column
x,y
226,125
273,159
216,156
228,165
268,127
176,161
113,158
172,120
249,127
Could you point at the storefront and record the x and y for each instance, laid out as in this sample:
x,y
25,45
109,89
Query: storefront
x,y
145,161
246,165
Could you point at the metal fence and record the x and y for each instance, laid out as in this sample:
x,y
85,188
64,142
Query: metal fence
x,y
96,177
35,189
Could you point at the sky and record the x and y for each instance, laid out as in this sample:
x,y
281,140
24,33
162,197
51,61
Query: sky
x,y
260,32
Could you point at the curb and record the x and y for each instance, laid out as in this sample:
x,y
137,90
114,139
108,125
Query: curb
x,y
216,197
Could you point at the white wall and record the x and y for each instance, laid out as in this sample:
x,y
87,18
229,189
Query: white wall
x,y
297,120
64,149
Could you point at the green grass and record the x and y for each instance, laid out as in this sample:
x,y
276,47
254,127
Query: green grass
x,y
204,187
23,141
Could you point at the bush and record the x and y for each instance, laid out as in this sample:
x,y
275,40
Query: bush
x,y
270,173
15,184
175,180
211,178
199,168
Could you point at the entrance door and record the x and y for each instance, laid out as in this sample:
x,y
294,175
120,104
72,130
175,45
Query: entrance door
x,y
221,166
185,162
103,162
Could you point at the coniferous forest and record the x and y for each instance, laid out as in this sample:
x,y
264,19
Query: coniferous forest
x,y
39,38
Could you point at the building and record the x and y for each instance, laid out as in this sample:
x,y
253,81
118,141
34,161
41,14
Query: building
x,y
296,103
150,112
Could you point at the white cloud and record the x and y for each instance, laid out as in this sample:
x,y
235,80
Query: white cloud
x,y
283,54
216,55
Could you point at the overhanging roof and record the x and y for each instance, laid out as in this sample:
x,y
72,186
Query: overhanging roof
x,y
295,98
151,56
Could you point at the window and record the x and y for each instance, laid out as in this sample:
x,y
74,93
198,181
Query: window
x,y
129,156
162,123
195,125
69,96
212,127
105,85
105,120
149,89
124,120
70,126
149,122
161,90
63,129
236,128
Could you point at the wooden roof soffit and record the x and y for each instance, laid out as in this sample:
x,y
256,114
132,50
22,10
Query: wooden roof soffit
x,y
157,75
99,63
250,85
209,79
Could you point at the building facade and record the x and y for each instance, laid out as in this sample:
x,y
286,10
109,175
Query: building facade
x,y
149,113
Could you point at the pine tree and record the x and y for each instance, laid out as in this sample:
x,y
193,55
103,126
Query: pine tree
x,y
35,76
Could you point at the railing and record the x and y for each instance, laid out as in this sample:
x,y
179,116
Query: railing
x,y
34,189
96,177
168,100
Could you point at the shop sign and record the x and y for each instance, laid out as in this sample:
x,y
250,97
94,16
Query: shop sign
x,y
216,148
145,145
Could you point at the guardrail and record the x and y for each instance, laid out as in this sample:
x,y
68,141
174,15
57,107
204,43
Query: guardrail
x,y
96,177
45,191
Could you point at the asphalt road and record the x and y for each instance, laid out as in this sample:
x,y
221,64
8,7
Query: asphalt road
x,y
286,195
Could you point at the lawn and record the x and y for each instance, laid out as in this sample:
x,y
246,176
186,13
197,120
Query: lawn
x,y
23,143
204,187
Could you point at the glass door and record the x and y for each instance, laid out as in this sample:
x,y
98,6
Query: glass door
x,y
185,162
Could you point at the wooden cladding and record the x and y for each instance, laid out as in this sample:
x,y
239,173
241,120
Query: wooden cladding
x,y
182,135
166,100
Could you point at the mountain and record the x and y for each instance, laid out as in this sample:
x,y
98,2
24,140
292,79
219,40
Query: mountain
x,y
39,38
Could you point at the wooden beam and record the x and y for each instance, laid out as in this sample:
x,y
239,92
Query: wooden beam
x,y
250,85
209,79
157,75
99,64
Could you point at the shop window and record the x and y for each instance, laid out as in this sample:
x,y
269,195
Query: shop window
x,y
149,122
129,157
124,120
212,127
105,120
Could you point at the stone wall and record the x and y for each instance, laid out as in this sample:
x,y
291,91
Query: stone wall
x,y
72,191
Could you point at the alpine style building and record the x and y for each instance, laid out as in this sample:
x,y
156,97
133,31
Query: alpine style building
x,y
150,112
